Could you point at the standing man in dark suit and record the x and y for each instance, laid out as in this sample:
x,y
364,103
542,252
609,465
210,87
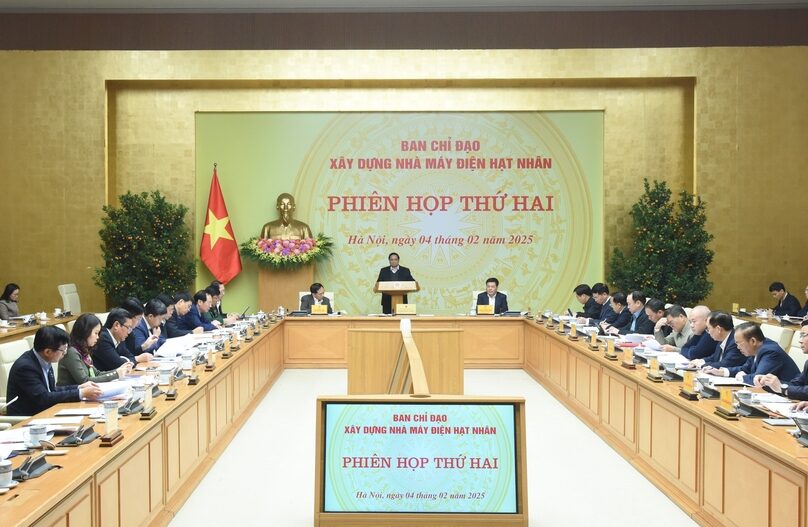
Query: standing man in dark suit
x,y
583,293
493,297
316,297
394,273
787,304
31,379
111,351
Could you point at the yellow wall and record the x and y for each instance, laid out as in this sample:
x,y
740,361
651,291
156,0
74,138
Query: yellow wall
x,y
730,122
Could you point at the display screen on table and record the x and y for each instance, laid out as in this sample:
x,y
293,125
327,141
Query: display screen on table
x,y
429,458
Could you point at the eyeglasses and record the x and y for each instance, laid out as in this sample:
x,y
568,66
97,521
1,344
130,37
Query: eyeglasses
x,y
60,351
803,335
128,328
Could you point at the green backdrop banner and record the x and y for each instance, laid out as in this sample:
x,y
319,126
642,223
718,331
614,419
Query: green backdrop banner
x,y
460,196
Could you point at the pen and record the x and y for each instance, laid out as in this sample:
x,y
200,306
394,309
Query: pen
x,y
9,402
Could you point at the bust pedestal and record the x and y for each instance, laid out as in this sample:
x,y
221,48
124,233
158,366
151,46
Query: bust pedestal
x,y
281,288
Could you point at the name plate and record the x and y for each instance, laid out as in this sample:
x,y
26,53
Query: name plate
x,y
405,309
726,398
319,309
485,309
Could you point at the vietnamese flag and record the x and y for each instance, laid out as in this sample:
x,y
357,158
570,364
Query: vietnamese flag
x,y
219,249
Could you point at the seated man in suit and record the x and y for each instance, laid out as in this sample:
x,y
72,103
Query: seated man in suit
x,y
147,334
111,351
583,293
803,312
31,379
492,297
726,353
213,313
622,314
796,388
676,319
655,310
216,305
639,321
394,273
787,304
182,304
315,297
763,356
600,292
135,308
194,318
700,344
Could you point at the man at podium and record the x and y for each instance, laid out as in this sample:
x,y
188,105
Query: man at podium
x,y
393,273
492,297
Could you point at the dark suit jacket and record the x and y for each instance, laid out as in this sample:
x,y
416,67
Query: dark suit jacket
x,y
107,356
643,326
193,319
789,306
386,275
622,318
699,346
798,386
500,302
141,334
731,356
26,381
770,358
173,328
306,301
804,311
591,309
606,313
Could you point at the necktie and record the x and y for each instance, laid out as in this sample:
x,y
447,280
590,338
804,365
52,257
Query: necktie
x,y
51,380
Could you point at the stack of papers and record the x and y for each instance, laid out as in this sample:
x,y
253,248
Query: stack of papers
x,y
177,346
784,409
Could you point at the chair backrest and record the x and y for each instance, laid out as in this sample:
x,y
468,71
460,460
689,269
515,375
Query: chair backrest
x,y
475,294
102,317
737,321
30,340
779,334
795,351
328,294
70,298
9,352
70,324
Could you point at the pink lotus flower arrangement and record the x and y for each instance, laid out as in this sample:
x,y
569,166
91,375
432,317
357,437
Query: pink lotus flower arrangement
x,y
287,254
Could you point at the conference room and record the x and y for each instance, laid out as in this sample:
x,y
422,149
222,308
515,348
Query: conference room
x,y
311,143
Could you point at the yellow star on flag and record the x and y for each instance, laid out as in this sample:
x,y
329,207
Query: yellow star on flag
x,y
217,228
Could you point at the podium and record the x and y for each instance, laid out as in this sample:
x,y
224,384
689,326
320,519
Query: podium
x,y
396,290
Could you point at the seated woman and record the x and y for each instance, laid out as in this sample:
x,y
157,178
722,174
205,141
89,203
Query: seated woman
x,y
76,367
8,302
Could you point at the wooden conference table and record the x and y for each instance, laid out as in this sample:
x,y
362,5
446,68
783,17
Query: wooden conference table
x,y
19,331
741,473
